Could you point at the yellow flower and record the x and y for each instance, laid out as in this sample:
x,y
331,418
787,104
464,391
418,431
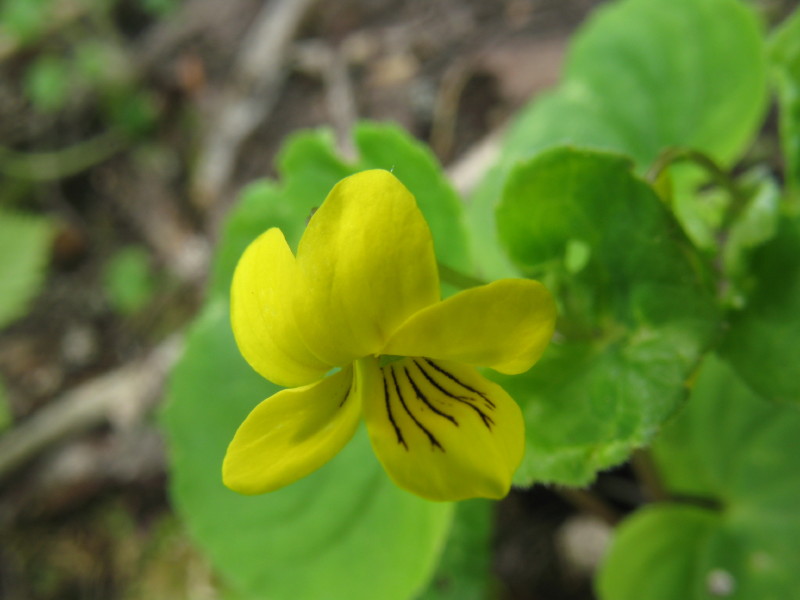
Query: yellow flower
x,y
362,295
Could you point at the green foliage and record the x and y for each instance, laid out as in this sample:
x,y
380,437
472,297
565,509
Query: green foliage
x,y
24,246
761,340
756,224
737,457
759,343
640,77
99,63
634,320
128,279
650,281
159,8
24,20
785,61
79,52
130,110
463,572
655,554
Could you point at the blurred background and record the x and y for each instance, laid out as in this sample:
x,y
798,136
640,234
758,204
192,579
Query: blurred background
x,y
127,128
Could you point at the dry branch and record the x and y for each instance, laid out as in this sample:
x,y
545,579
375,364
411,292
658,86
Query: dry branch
x,y
78,470
121,397
251,93
331,66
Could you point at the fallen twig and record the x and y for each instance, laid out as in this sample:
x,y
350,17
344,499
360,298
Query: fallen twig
x,y
249,96
120,397
331,65
80,469
190,20
150,205
445,110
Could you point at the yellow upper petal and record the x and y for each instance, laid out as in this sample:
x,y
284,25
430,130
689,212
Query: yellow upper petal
x,y
365,264
262,314
441,430
505,325
292,434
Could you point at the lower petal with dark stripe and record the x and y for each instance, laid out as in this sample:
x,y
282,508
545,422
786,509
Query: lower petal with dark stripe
x,y
441,429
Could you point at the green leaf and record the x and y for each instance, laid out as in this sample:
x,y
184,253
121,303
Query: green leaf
x,y
25,244
728,448
655,554
309,168
128,279
784,51
633,322
47,83
637,52
133,111
159,8
641,76
101,63
348,524
755,226
761,341
25,20
463,572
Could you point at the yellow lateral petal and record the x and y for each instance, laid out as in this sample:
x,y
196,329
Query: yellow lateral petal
x,y
366,263
443,431
505,325
262,317
292,434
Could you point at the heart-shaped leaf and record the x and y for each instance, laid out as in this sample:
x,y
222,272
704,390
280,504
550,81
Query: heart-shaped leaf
x,y
633,321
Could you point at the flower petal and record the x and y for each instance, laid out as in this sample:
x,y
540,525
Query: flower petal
x,y
505,325
262,317
441,430
292,434
366,263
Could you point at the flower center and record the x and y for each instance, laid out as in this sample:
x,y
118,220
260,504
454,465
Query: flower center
x,y
426,396
386,359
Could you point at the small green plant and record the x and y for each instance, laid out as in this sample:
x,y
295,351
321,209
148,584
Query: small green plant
x,y
25,248
673,256
128,280
76,54
47,83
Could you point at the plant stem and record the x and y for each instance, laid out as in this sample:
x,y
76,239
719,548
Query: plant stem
x,y
590,503
647,473
720,176
43,166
